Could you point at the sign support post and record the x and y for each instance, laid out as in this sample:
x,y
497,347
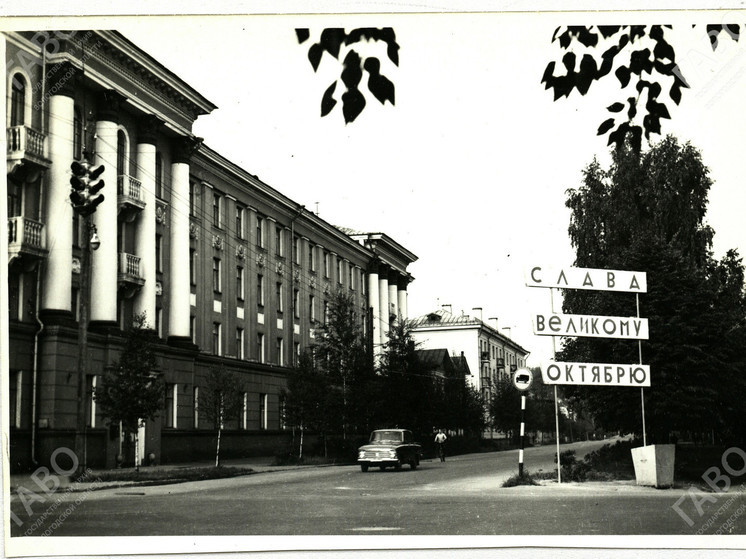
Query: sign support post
x,y
556,402
522,381
642,390
523,429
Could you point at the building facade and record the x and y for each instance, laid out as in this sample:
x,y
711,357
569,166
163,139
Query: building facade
x,y
227,271
489,354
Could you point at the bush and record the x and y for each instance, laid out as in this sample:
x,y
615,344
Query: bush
x,y
525,479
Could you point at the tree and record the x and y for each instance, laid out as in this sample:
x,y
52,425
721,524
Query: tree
x,y
341,356
647,212
505,406
642,60
131,392
305,396
221,400
408,395
332,41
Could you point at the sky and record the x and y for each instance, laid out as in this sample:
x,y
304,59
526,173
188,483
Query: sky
x,y
469,169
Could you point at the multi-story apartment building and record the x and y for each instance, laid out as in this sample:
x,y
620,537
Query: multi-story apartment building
x,y
489,354
228,271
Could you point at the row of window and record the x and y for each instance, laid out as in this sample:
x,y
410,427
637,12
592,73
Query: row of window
x,y
260,345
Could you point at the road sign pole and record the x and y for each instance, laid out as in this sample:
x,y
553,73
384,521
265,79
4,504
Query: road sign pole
x,y
556,403
642,391
523,430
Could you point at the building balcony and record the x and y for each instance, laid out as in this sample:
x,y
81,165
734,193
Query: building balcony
x,y
129,197
485,356
129,276
26,153
26,240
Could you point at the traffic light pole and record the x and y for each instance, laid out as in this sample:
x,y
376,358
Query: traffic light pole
x,y
83,320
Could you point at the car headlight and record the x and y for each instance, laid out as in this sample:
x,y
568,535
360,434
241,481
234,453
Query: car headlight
x,y
361,454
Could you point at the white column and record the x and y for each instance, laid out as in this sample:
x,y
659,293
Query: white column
x,y
393,298
375,303
403,310
105,259
383,296
58,220
145,232
178,289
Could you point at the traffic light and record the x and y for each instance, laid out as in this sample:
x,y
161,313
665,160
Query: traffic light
x,y
85,194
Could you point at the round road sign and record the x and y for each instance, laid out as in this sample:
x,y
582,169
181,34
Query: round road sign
x,y
522,379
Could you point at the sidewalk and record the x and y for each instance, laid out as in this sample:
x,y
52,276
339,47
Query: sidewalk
x,y
258,464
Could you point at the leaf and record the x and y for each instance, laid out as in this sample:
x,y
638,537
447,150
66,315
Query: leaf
x,y
564,39
587,74
379,85
328,101
548,75
302,34
606,125
608,30
623,74
675,93
352,73
632,112
314,55
569,61
635,138
331,40
353,104
615,108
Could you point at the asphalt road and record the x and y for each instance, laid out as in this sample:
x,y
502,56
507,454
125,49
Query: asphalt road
x,y
462,496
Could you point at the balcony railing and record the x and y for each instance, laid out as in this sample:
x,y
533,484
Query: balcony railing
x,y
25,238
129,186
25,139
129,198
129,265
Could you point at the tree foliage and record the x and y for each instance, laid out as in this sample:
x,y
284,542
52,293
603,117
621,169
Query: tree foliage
x,y
335,41
644,64
647,213
131,391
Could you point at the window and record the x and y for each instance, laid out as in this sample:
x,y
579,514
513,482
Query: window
x,y
243,422
279,249
159,190
217,331
239,283
351,276
260,290
296,353
296,250
326,264
76,222
239,222
193,329
263,411
278,297
260,347
311,310
158,253
121,153
171,405
18,100
90,401
311,258
280,350
296,303
339,270
193,192
326,312
216,283
217,209
192,266
74,299
16,386
283,412
259,231
78,134
159,321
195,406
239,343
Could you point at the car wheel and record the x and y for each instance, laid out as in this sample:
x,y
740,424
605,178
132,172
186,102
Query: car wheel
x,y
413,464
382,468
364,467
398,466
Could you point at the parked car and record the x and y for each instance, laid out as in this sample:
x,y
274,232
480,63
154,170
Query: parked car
x,y
390,447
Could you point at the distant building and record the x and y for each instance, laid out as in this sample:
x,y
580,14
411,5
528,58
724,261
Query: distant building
x,y
229,272
488,354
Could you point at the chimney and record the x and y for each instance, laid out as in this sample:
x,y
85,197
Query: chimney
x,y
493,320
448,308
479,312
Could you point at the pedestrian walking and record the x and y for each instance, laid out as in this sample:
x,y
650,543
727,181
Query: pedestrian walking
x,y
440,440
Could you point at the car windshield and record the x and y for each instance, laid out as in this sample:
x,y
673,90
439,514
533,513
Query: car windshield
x,y
380,436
